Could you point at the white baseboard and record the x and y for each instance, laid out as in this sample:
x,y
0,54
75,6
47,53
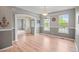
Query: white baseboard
x,y
57,36
5,48
76,47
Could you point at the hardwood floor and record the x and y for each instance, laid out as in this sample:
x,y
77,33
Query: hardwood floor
x,y
41,43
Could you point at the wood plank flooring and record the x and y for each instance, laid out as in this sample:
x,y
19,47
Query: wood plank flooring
x,y
41,43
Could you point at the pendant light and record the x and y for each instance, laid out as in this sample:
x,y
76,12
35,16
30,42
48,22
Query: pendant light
x,y
45,12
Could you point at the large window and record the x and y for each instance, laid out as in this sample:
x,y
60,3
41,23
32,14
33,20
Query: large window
x,y
63,23
46,24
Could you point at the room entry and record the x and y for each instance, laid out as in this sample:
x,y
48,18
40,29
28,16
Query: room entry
x,y
24,25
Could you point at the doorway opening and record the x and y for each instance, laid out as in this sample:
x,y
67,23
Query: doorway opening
x,y
24,25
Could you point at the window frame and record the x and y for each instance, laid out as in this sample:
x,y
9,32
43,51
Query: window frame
x,y
46,29
66,29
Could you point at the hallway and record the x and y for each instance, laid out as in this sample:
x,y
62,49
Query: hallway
x,y
42,43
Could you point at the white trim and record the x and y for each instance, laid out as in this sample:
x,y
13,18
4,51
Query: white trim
x,y
5,29
57,36
5,48
76,47
58,27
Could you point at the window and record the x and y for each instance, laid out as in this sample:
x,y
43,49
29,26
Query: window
x,y
46,24
63,23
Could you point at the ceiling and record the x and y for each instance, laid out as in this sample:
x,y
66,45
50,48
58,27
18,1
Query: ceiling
x,y
39,9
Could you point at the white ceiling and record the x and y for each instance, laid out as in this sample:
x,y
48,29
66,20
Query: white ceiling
x,y
39,9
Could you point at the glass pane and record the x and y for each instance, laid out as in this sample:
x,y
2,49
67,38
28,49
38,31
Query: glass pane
x,y
47,24
63,23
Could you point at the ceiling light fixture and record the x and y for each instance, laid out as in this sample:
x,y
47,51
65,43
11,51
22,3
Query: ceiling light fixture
x,y
45,12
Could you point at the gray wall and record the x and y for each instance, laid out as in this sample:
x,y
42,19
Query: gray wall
x,y
6,37
54,25
22,11
77,28
16,10
6,33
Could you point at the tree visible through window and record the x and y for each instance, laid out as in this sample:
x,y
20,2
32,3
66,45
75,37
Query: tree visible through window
x,y
63,23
